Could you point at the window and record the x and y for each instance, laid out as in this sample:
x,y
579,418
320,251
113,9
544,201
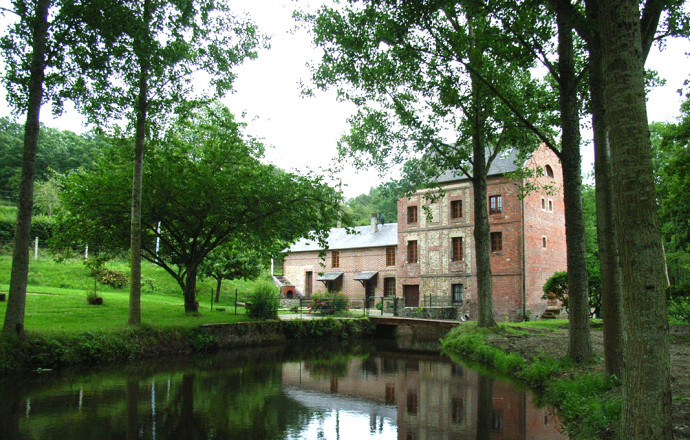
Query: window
x,y
497,421
390,256
456,410
458,291
389,287
543,203
495,204
411,402
456,249
543,241
456,209
496,241
412,251
335,259
550,205
549,170
390,393
411,214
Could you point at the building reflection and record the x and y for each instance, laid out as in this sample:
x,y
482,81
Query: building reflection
x,y
427,397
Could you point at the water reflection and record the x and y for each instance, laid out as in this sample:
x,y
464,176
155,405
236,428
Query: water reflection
x,y
274,393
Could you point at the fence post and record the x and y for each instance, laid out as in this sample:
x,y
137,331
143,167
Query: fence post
x,y
36,249
211,298
235,301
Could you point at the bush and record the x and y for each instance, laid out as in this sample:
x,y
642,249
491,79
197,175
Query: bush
x,y
263,302
41,227
329,303
556,287
93,299
115,278
679,302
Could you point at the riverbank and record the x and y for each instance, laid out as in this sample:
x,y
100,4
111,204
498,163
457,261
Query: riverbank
x,y
588,402
37,352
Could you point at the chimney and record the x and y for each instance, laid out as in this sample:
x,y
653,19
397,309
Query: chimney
x,y
374,222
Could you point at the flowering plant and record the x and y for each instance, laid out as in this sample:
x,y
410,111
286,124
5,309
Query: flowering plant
x,y
329,303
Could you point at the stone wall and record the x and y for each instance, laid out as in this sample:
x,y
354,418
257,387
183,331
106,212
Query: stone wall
x,y
448,313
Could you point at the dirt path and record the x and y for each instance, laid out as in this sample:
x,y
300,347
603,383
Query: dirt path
x,y
555,344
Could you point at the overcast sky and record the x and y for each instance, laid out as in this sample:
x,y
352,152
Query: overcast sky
x,y
304,131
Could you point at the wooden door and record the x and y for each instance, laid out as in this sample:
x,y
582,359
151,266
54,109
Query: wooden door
x,y
307,284
369,292
411,293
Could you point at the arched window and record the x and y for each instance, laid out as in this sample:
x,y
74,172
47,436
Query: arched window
x,y
549,171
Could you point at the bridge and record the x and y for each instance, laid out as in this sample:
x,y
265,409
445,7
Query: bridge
x,y
397,321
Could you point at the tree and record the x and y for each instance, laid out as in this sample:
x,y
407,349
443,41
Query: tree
x,y
47,196
382,200
585,21
646,407
59,151
232,261
204,187
155,51
39,49
416,71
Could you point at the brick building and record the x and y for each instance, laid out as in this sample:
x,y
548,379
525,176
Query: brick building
x,y
429,253
361,264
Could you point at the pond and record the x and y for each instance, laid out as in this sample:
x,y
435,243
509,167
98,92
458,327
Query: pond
x,y
350,391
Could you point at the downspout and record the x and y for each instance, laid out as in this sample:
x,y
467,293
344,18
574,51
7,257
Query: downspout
x,y
524,260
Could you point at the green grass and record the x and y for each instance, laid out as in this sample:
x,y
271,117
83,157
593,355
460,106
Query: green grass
x,y
548,324
72,274
56,300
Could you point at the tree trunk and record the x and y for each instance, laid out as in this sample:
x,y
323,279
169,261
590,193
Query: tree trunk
x,y
132,397
580,347
16,304
219,281
482,230
189,290
646,402
482,250
137,178
485,406
611,282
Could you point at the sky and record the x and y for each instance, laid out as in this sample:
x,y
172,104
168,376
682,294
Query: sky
x,y
304,131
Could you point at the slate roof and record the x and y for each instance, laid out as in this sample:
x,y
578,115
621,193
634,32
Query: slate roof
x,y
387,234
505,162
338,238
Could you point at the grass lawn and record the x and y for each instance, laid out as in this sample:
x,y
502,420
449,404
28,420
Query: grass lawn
x,y
56,299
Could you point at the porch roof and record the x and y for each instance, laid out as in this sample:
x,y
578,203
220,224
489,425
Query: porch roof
x,y
366,275
329,276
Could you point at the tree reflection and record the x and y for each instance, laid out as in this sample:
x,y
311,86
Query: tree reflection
x,y
485,405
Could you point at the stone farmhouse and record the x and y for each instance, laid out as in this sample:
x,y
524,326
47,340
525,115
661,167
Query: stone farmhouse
x,y
427,258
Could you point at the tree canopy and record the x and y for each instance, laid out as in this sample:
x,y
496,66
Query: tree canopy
x,y
381,200
59,151
204,186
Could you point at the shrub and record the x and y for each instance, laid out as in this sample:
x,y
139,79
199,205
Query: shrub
x,y
556,287
93,299
115,278
679,302
329,303
263,302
